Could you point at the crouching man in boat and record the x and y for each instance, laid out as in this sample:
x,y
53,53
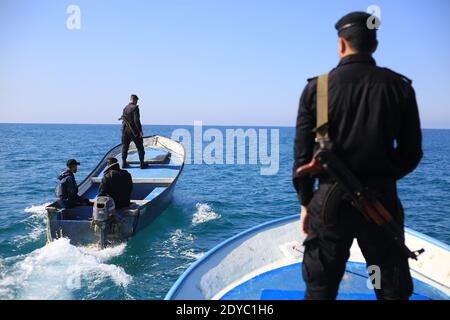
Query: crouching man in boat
x,y
117,184
367,118
67,188
132,131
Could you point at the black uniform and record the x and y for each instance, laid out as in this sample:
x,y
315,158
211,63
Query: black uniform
x,y
67,190
374,126
117,184
132,131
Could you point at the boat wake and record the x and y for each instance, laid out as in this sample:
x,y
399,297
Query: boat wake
x,y
191,254
59,270
180,244
179,236
38,210
34,224
204,214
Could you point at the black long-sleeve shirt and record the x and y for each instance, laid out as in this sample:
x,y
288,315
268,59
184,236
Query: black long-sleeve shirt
x,y
117,184
132,115
373,123
67,190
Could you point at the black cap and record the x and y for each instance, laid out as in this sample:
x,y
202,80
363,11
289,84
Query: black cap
x,y
111,161
358,19
133,96
72,162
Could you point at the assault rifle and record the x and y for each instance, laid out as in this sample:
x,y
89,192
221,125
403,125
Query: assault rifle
x,y
364,200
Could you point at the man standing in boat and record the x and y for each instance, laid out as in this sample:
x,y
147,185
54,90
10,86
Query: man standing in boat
x,y
132,131
372,124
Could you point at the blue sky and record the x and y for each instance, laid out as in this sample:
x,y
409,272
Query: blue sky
x,y
223,62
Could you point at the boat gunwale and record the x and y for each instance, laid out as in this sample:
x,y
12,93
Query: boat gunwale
x,y
291,218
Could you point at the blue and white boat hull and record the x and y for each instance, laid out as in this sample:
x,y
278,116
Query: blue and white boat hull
x,y
152,193
265,263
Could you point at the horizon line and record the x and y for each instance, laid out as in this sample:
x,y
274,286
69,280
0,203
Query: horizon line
x,y
156,124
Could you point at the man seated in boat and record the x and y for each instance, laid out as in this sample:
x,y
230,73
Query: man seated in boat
x,y
117,184
67,188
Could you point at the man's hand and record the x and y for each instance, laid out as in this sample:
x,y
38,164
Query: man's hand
x,y
304,220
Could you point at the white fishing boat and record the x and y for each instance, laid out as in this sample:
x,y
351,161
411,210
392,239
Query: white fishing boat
x,y
264,263
152,193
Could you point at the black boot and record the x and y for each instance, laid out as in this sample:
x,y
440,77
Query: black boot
x,y
124,163
144,165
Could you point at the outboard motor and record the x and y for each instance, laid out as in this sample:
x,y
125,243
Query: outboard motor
x,y
104,208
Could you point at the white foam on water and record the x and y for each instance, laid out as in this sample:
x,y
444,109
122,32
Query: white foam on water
x,y
173,246
57,270
180,237
203,214
35,224
191,254
38,210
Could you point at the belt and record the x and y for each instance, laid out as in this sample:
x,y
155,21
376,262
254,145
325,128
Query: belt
x,y
326,180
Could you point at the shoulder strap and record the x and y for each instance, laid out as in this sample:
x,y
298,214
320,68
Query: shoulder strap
x,y
404,78
322,107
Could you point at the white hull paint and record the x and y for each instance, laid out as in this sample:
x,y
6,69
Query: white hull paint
x,y
279,243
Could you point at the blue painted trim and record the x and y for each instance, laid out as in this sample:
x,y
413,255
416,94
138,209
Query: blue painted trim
x,y
103,160
173,290
350,264
155,193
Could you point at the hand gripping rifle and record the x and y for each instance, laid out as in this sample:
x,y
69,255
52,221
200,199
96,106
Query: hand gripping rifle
x,y
132,129
363,199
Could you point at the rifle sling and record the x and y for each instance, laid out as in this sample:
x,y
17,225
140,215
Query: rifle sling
x,y
128,124
322,107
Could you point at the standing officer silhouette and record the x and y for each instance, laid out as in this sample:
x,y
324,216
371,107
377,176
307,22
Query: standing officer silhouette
x,y
132,131
373,125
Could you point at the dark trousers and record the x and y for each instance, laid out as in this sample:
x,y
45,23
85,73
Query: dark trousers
x,y
127,137
327,249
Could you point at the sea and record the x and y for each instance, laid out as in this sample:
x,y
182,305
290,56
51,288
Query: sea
x,y
212,202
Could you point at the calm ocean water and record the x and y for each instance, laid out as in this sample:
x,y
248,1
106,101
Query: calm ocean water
x,y
211,203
